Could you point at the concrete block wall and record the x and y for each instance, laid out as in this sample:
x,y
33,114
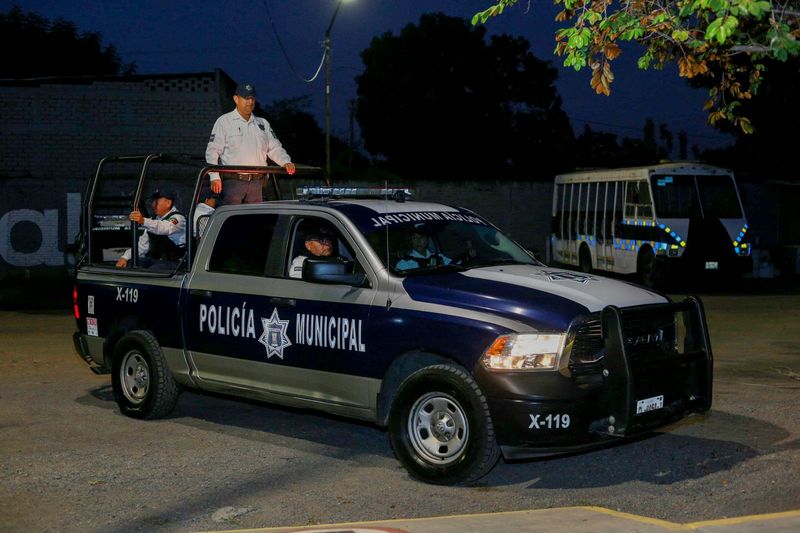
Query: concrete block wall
x,y
61,129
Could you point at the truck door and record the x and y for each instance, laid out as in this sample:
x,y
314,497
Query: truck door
x,y
250,325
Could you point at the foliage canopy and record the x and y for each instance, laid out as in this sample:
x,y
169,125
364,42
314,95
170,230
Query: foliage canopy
x,y
727,40
35,47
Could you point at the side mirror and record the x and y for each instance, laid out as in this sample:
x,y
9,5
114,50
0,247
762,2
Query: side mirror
x,y
332,271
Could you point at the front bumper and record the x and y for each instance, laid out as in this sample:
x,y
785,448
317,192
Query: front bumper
x,y
544,413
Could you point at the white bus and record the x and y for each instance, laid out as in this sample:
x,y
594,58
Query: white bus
x,y
651,221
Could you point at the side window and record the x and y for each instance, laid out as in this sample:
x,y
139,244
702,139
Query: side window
x,y
637,201
242,245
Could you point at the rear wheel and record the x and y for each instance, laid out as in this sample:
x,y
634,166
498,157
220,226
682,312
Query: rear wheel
x,y
143,386
440,427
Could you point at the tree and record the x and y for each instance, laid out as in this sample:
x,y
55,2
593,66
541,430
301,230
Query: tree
x,y
767,154
439,100
302,137
731,40
600,149
35,47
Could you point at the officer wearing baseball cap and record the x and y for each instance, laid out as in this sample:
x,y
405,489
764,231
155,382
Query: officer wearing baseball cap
x,y
241,138
164,240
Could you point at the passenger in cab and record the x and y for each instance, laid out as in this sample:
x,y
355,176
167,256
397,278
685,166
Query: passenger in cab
x,y
421,255
163,243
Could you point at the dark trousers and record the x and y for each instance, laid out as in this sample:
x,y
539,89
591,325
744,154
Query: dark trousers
x,y
236,191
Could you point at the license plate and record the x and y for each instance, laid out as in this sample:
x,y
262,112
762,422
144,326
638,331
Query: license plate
x,y
712,265
649,404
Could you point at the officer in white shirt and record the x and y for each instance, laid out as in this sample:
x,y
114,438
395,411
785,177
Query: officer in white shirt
x,y
241,138
203,211
163,242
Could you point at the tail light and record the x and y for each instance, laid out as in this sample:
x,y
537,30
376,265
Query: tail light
x,y
76,311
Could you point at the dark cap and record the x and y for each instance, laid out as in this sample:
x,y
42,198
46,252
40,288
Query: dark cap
x,y
169,195
245,90
205,194
318,234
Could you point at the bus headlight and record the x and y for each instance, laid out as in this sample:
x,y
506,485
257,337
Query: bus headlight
x,y
530,351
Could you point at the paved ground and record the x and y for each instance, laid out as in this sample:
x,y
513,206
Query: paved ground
x,y
70,462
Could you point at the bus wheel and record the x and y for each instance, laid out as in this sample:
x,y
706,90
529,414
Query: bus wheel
x,y
585,260
650,271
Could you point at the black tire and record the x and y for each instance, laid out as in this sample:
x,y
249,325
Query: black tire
x,y
585,260
143,385
461,447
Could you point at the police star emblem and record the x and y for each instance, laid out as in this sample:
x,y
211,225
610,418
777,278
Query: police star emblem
x,y
274,337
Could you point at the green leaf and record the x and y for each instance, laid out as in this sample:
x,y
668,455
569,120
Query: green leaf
x,y
713,30
680,35
758,9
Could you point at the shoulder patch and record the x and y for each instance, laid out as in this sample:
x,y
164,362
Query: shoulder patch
x,y
211,140
174,221
261,127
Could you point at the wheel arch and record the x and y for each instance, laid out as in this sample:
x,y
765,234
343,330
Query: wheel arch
x,y
402,367
117,332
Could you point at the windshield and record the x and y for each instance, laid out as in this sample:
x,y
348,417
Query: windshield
x,y
676,196
445,245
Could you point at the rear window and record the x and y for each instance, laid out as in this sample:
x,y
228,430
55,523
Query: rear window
x,y
242,245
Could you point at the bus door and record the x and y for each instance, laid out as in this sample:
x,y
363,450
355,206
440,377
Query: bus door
x,y
605,214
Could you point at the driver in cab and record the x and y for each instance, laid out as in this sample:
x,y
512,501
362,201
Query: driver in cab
x,y
318,243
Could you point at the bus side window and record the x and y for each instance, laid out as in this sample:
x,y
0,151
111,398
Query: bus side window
x,y
645,201
591,198
631,199
619,197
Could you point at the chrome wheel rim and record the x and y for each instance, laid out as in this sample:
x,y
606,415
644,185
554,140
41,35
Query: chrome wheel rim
x,y
438,428
134,376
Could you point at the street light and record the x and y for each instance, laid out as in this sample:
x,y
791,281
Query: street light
x,y
327,46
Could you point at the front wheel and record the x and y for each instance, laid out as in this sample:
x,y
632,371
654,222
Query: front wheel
x,y
440,427
143,385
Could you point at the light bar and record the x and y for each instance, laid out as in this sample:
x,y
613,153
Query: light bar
x,y
393,193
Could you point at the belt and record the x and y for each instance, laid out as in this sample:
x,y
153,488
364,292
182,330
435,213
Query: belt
x,y
245,177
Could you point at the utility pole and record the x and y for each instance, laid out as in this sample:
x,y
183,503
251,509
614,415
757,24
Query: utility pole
x,y
327,46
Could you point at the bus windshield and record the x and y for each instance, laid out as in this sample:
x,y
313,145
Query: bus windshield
x,y
676,196
445,246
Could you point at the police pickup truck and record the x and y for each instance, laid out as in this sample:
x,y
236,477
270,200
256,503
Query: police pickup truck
x,y
420,317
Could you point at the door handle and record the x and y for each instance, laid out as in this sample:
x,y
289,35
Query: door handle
x,y
200,292
283,302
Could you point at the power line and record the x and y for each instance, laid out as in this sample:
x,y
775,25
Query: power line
x,y
286,56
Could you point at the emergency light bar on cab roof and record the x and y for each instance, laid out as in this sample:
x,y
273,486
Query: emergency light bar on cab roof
x,y
394,193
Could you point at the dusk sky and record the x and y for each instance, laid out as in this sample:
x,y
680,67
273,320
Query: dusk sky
x,y
236,36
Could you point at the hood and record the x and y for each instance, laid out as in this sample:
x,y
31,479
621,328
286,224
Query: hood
x,y
544,297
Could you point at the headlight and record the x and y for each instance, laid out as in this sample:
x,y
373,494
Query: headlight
x,y
524,352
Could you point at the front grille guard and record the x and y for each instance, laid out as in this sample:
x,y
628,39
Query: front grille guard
x,y
609,358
